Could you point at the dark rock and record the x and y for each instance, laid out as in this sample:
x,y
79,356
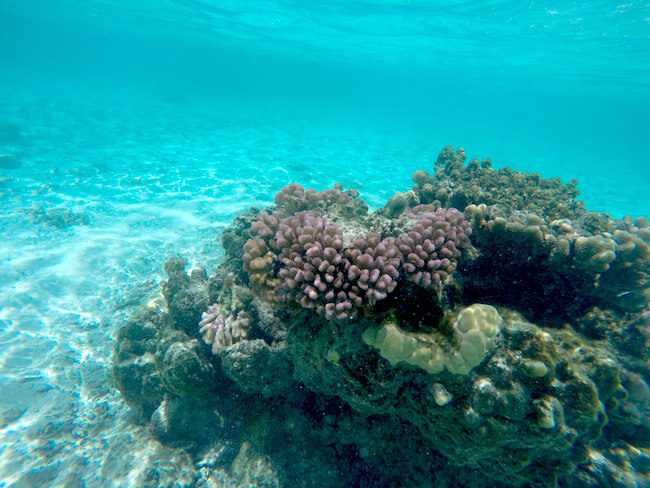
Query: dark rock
x,y
255,367
133,369
184,366
186,421
187,295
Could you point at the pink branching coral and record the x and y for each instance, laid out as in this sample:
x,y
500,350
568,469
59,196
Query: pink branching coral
x,y
312,267
298,255
374,265
319,274
290,200
267,223
431,249
294,198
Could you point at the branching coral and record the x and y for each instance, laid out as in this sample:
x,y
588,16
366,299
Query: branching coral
x,y
294,198
318,273
312,271
304,258
432,247
259,263
373,267
220,329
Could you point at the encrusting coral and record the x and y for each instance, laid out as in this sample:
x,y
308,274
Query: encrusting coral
x,y
482,329
472,335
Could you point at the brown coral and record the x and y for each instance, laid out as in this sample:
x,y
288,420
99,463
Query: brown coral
x,y
259,263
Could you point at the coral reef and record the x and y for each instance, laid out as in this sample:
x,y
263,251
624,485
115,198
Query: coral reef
x,y
57,217
185,295
318,273
529,411
338,270
482,329
582,263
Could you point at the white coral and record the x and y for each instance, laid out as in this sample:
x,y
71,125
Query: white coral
x,y
220,329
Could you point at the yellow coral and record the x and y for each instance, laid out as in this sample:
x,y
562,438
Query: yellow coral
x,y
473,334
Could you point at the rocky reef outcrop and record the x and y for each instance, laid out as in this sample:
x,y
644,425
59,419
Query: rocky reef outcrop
x,y
482,329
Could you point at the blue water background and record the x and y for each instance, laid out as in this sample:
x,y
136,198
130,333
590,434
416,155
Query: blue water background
x,y
151,126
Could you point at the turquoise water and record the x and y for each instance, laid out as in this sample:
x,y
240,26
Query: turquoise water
x,y
131,133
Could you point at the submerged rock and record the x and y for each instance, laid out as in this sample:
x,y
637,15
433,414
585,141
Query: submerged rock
x,y
413,346
255,367
184,367
186,294
181,421
133,369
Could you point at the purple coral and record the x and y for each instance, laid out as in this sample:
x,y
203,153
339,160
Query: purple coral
x,y
318,273
373,267
329,197
298,256
294,198
267,223
431,249
312,270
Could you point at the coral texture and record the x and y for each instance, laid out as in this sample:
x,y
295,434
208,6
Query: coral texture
x,y
472,335
312,271
318,273
258,263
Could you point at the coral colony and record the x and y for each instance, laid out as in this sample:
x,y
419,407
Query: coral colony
x,y
482,322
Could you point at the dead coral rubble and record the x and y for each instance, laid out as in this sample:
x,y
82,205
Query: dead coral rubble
x,y
483,329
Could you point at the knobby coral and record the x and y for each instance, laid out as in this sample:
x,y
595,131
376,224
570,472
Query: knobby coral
x,y
319,273
305,258
431,249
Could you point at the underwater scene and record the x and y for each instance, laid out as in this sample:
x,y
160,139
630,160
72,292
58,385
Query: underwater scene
x,y
361,243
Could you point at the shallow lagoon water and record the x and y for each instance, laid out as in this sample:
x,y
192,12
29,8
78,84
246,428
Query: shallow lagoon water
x,y
115,157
